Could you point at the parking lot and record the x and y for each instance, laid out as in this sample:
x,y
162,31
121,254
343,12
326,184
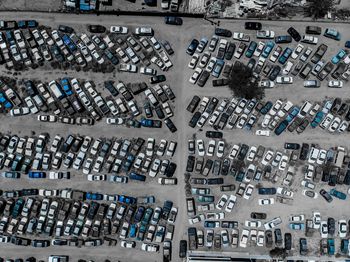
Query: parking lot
x,y
177,78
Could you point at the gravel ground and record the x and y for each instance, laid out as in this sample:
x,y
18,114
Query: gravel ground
x,y
178,77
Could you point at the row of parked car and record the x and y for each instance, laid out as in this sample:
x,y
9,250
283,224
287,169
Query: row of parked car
x,y
71,97
34,156
33,46
267,53
89,223
331,115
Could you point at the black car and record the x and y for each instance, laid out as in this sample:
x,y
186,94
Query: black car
x,y
173,20
336,105
242,152
192,47
220,82
215,181
194,119
169,123
331,226
288,241
193,104
326,195
268,238
213,134
294,146
157,79
294,33
148,109
257,215
225,188
278,237
230,49
304,151
183,249
203,78
225,167
190,163
167,47
252,26
66,29
159,112
303,246
170,170
96,29
275,72
223,32
313,30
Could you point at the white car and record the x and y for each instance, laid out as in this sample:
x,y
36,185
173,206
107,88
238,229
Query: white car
x,y
260,238
222,202
266,84
244,238
248,191
262,132
240,36
266,201
342,228
335,83
200,147
284,80
334,124
150,147
118,29
308,184
194,60
324,229
211,148
267,157
115,121
297,218
249,223
197,72
220,149
211,64
128,244
251,153
96,177
196,219
230,203
155,167
297,51
267,34
316,219
283,163
234,151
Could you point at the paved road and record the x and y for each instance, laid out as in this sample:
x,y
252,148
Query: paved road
x,y
178,80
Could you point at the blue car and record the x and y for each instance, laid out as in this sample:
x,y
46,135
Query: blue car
x,y
338,194
3,100
94,196
339,56
293,114
66,86
267,191
33,174
133,231
285,55
139,214
150,123
9,38
138,177
266,108
268,48
332,33
128,163
126,199
281,127
344,246
251,48
283,39
69,43
218,67
297,226
210,224
317,119
331,248
347,44
192,47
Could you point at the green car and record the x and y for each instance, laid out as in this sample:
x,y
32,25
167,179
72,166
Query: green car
x,y
205,199
147,216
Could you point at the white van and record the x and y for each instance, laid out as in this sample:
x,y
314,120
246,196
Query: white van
x,y
305,109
